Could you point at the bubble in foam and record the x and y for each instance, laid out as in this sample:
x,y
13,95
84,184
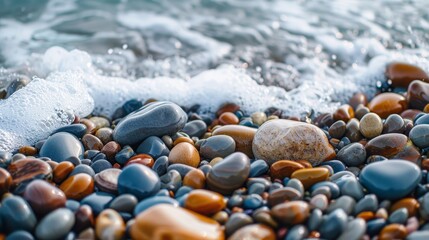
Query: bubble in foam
x,y
32,113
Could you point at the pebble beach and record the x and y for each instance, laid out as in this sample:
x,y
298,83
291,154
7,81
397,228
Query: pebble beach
x,y
217,120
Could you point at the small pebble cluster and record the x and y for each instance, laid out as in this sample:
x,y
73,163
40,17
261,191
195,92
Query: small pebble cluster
x,y
160,171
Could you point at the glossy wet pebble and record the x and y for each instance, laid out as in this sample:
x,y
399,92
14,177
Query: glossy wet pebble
x,y
109,225
153,119
132,177
221,179
294,212
242,135
24,170
385,104
60,146
154,147
293,141
333,225
284,168
152,201
44,197
78,186
184,153
166,221
5,181
217,146
352,155
420,135
254,231
391,179
417,95
63,220
77,130
204,202
371,125
17,214
402,74
195,128
311,176
107,180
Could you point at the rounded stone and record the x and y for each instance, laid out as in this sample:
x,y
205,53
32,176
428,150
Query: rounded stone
x,y
154,147
399,216
24,170
285,139
109,225
333,225
337,129
60,146
107,180
254,231
91,142
217,146
124,203
294,212
195,128
17,214
110,149
355,229
353,130
78,186
204,202
311,176
19,235
402,74
84,218
420,135
184,153
371,125
153,119
417,95
393,231
63,220
105,134
44,197
143,159
5,181
411,204
387,103
284,168
195,179
221,179
282,195
227,118
236,221
394,124
132,177
152,201
352,155
387,145
344,113
77,129
391,179
62,171
242,135
100,165
357,99
98,201
164,221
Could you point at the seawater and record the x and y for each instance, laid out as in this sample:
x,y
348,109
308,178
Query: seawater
x,y
304,57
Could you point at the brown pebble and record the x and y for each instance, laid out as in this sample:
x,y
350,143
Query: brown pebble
x,y
344,112
195,179
62,171
338,129
43,197
371,125
311,176
411,204
254,231
242,135
228,118
26,169
109,225
5,181
418,95
111,149
353,130
183,139
144,159
402,74
28,150
204,202
358,98
184,153
228,107
84,218
366,215
78,186
387,103
90,126
294,212
91,142
104,134
393,231
410,114
284,168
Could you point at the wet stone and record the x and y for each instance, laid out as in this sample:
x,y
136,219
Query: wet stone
x,y
333,187
153,119
78,186
25,170
352,155
391,179
195,178
357,99
204,202
152,201
61,146
17,214
84,218
353,130
420,135
142,159
336,165
171,180
110,149
402,74
346,203
284,168
355,229
311,176
77,130
129,181
399,216
371,125
195,128
174,222
338,129
385,104
417,95
44,197
254,231
319,201
289,144
333,225
315,219
394,124
258,168
297,232
154,147
63,220
243,137
221,179
411,204
393,231
109,225
122,156
294,212
98,201
367,203
20,235
105,134
5,181
344,113
217,146
107,180
237,221
228,118
82,169
282,195
124,203
184,153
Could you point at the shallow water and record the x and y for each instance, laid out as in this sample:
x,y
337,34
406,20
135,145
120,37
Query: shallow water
x,y
303,57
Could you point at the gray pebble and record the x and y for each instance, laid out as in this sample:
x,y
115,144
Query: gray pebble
x,y
355,230
352,155
399,216
297,232
295,183
315,220
346,203
236,221
334,224
55,225
367,203
124,203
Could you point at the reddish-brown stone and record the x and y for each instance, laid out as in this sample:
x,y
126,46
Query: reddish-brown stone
x,y
228,118
62,171
311,176
418,95
143,159
294,212
402,74
388,103
5,181
43,197
78,186
358,98
393,231
195,179
344,112
84,218
284,168
26,169
204,202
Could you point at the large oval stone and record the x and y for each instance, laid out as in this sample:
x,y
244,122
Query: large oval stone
x,y
293,212
285,139
392,145
61,219
61,146
418,95
392,179
138,180
402,74
386,104
229,174
44,197
164,221
153,119
242,135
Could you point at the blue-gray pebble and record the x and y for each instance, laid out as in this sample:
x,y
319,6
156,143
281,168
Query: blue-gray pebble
x,y
55,225
154,147
17,214
61,146
139,181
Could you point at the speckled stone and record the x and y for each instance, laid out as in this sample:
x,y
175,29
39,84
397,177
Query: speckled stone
x,y
391,179
221,179
63,220
165,221
60,146
153,119
217,146
371,125
132,176
24,170
285,139
420,135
